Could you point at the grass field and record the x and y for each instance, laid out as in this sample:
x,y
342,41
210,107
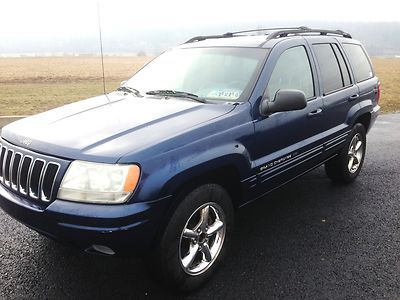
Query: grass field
x,y
388,71
32,85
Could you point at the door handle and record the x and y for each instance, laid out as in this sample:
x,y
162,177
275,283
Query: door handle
x,y
354,97
315,112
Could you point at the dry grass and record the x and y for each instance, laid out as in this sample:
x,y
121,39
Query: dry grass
x,y
32,85
67,69
388,70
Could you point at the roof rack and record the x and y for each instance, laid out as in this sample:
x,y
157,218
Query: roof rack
x,y
299,30
206,37
269,29
276,32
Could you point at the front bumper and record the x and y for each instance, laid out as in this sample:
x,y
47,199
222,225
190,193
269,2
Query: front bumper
x,y
126,228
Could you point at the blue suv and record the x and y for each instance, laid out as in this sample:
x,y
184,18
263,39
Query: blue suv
x,y
159,166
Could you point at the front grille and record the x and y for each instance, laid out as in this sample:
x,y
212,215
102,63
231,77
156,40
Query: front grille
x,y
30,176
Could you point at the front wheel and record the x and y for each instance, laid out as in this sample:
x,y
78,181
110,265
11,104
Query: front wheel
x,y
345,167
195,240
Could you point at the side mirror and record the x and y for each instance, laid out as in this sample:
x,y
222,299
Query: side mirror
x,y
285,100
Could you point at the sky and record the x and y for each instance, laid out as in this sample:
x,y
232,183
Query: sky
x,y
21,19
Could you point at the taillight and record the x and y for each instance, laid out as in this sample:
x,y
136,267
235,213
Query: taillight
x,y
378,94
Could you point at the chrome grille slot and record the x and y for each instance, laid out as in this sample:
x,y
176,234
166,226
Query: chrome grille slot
x,y
35,178
49,174
14,170
6,166
23,175
2,152
28,175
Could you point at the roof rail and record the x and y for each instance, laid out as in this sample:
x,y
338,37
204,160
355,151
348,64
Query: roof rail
x,y
206,37
231,34
269,29
286,32
276,32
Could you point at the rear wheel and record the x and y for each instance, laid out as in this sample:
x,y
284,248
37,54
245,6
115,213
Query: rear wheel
x,y
195,240
345,167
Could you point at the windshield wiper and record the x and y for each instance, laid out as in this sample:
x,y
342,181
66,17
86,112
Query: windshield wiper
x,y
128,89
178,94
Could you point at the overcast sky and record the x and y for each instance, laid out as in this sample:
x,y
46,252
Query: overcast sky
x,y
44,18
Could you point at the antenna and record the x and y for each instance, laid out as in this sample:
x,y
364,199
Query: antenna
x,y
101,49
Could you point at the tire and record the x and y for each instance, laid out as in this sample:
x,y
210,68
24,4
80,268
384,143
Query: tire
x,y
196,238
345,167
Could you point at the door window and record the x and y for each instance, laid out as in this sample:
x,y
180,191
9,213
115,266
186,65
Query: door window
x,y
332,78
292,71
343,66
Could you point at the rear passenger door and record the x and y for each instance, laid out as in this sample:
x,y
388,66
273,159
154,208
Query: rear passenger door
x,y
364,76
338,91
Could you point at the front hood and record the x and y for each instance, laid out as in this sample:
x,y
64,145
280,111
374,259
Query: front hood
x,y
97,129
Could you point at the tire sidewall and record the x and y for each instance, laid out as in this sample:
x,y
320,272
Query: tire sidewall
x,y
168,250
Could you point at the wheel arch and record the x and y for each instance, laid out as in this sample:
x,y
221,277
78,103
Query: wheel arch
x,y
365,120
222,175
227,175
363,115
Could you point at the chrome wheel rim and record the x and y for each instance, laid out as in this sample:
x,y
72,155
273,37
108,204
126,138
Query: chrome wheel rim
x,y
355,153
202,239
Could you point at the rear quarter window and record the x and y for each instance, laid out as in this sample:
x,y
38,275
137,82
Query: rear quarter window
x,y
359,62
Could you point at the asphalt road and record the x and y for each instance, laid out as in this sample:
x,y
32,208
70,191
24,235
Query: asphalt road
x,y
310,239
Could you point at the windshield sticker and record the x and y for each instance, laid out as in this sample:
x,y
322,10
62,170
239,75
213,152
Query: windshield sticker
x,y
225,94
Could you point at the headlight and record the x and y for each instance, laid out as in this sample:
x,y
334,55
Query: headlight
x,y
98,183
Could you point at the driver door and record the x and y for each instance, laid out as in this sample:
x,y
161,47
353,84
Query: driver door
x,y
289,143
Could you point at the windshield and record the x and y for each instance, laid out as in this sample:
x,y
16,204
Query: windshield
x,y
225,74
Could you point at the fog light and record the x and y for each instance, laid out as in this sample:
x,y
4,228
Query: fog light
x,y
103,249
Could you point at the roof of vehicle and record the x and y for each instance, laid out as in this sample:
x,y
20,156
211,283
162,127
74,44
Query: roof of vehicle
x,y
259,38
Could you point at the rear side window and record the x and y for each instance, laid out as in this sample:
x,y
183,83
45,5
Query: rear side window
x,y
328,64
359,61
292,71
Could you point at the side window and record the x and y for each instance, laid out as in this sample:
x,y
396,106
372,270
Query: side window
x,y
359,61
328,64
343,66
292,71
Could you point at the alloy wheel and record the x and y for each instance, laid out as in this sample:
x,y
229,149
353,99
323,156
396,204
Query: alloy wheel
x,y
202,238
355,153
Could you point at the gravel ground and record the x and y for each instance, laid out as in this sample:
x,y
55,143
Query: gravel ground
x,y
311,239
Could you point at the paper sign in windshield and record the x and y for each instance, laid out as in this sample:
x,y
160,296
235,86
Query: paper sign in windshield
x,y
225,94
